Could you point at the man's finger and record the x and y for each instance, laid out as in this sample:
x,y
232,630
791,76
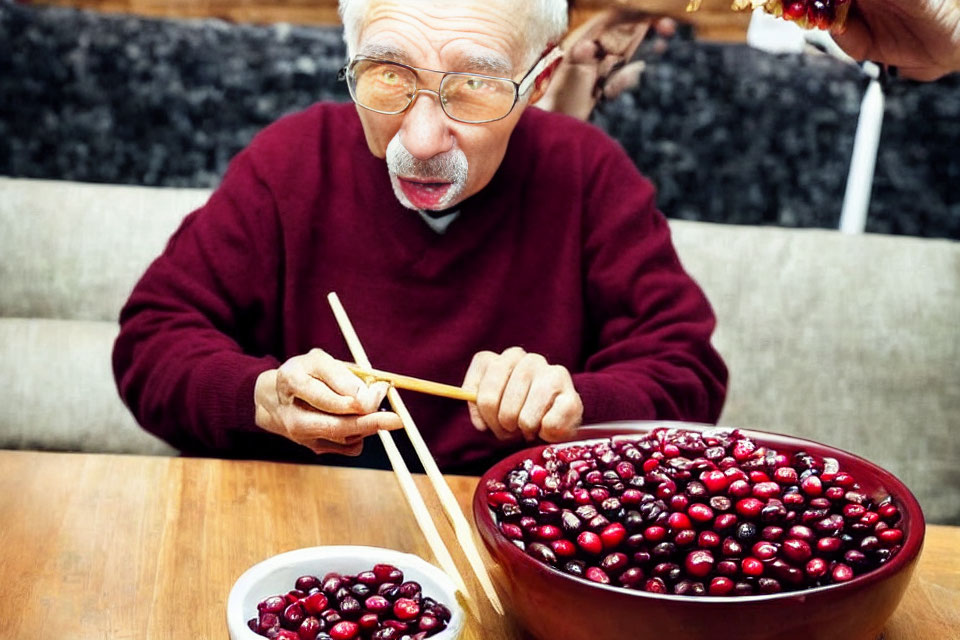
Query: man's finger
x,y
335,373
347,428
545,388
353,394
296,378
478,365
378,421
319,395
666,27
307,426
623,79
371,397
854,38
563,418
325,446
525,374
345,435
492,385
583,52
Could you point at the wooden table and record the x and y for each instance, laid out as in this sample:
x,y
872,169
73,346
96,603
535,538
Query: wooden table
x,y
106,546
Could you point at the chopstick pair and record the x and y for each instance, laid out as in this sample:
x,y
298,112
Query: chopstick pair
x,y
451,508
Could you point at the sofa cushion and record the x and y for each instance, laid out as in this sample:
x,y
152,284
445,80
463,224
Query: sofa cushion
x,y
74,251
852,341
59,392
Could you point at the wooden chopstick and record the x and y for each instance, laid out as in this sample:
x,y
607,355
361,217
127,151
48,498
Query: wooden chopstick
x,y
422,516
414,384
449,502
404,478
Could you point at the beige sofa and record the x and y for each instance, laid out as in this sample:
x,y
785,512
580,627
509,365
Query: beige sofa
x,y
849,340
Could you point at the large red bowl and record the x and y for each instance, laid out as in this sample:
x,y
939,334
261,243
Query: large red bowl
x,y
552,605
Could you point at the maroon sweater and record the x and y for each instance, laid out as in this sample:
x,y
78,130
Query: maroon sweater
x,y
563,254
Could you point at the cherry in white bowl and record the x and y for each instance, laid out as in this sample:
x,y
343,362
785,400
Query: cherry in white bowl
x,y
278,576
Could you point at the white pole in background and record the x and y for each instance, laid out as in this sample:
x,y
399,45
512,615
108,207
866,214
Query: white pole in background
x,y
777,36
863,160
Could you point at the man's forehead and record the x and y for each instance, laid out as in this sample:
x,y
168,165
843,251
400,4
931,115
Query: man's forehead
x,y
465,36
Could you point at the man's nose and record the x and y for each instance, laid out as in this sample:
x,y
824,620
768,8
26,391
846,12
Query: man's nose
x,y
425,131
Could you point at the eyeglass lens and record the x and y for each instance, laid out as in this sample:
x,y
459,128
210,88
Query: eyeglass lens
x,y
389,88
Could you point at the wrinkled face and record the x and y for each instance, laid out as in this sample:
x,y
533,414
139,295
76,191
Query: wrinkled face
x,y
436,162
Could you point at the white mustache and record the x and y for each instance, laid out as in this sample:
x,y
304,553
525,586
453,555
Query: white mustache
x,y
450,166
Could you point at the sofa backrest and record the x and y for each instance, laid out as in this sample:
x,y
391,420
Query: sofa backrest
x,y
74,250
847,340
70,254
853,341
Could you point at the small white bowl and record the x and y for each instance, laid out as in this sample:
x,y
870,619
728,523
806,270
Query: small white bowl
x,y
276,576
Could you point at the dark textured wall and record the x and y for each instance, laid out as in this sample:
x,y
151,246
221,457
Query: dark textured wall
x,y
120,99
733,134
729,134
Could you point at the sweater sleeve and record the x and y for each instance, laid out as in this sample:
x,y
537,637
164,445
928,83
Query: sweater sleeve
x,y
650,323
196,331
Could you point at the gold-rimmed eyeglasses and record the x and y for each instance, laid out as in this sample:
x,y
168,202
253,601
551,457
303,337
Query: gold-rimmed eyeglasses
x,y
389,87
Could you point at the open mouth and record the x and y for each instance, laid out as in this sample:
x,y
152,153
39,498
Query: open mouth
x,y
424,194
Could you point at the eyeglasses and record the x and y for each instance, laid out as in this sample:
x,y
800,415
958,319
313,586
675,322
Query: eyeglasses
x,y
390,88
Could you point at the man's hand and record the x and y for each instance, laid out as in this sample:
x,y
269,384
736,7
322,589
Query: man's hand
x,y
314,400
920,37
521,393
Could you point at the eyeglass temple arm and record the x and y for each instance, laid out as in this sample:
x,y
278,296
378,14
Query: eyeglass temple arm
x,y
528,82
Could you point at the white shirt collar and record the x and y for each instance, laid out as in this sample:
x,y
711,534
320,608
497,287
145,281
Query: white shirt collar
x,y
439,223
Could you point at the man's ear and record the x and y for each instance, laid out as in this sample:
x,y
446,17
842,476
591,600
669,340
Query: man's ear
x,y
542,82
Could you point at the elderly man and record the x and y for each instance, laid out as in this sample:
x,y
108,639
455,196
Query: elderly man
x,y
470,238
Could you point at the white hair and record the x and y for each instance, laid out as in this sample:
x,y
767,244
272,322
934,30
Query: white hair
x,y
546,23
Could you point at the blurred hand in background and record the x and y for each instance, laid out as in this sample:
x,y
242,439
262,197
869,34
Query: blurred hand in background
x,y
920,37
598,60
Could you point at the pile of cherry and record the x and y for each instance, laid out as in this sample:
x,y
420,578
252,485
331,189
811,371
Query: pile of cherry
x,y
693,513
375,604
820,14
